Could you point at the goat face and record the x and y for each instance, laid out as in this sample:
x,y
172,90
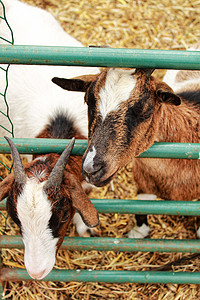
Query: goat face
x,y
122,105
42,204
42,218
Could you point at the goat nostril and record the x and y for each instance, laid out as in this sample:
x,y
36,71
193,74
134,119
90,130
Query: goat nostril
x,y
94,170
91,168
97,168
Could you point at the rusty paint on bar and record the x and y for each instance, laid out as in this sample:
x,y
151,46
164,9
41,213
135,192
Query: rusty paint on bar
x,y
114,244
100,57
15,274
44,146
157,207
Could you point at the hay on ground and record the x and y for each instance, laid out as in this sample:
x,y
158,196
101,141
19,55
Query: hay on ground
x,y
151,24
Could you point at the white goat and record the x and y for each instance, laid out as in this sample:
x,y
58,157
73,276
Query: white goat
x,y
31,96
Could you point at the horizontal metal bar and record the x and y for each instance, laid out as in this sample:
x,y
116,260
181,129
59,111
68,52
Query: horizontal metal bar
x,y
157,207
44,146
114,244
101,57
149,207
14,274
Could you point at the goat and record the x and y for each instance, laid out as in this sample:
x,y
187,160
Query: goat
x,y
129,110
43,197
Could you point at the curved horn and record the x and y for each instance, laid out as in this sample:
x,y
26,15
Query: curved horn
x,y
55,178
18,169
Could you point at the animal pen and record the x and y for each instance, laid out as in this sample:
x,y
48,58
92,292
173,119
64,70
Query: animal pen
x,y
108,57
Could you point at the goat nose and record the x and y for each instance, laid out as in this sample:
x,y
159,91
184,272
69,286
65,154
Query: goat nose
x,y
88,164
92,168
37,275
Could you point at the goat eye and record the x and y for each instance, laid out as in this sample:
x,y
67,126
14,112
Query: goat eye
x,y
65,217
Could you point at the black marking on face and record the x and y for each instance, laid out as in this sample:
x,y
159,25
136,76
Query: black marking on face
x,y
141,111
11,203
91,102
62,212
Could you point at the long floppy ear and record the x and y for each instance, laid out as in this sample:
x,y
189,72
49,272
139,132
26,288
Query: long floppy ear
x,y
166,95
6,185
82,203
78,84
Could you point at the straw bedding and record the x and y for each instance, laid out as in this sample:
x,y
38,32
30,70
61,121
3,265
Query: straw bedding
x,y
150,24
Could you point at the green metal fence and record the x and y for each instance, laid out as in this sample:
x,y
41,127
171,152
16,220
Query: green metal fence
x,y
10,54
160,150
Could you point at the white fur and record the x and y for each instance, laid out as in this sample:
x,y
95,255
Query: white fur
x,y
170,77
198,233
146,197
89,161
139,232
34,213
31,96
81,227
118,86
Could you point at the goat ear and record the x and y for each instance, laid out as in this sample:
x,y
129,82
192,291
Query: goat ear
x,y
82,203
78,84
6,185
168,97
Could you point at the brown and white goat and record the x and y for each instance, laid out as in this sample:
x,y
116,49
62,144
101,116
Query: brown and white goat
x,y
43,197
129,110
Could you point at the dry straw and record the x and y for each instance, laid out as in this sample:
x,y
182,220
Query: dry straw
x,y
146,24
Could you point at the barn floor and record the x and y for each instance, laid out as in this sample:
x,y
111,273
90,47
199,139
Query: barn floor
x,y
150,24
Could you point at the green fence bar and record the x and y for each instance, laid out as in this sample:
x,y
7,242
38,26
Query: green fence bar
x,y
149,207
100,57
107,276
114,244
44,146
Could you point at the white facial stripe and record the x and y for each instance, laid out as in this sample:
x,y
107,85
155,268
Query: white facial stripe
x,y
34,212
118,86
89,160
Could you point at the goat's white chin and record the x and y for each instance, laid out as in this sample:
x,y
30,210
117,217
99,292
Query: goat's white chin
x,y
39,267
39,273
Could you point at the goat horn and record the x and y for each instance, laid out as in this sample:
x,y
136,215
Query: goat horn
x,y
18,169
55,178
